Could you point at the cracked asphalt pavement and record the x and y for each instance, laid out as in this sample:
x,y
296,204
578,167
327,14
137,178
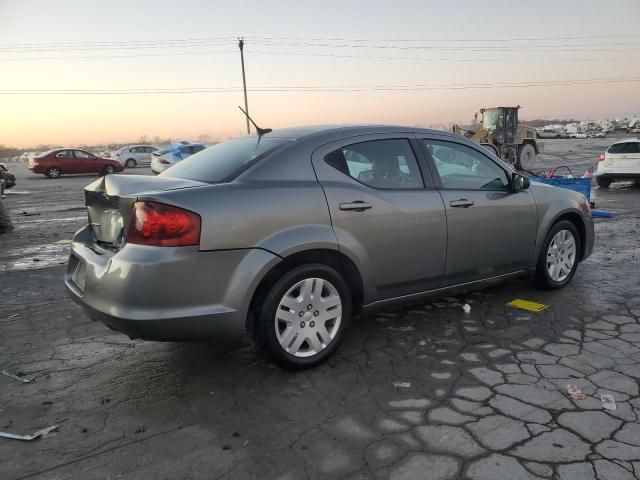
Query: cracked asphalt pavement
x,y
423,391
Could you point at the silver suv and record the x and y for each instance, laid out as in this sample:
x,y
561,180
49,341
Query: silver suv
x,y
287,235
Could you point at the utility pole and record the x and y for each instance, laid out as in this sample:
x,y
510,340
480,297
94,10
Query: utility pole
x,y
244,82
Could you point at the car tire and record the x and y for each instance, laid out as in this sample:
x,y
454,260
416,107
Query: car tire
x,y
53,172
130,163
293,329
526,156
109,169
559,256
603,182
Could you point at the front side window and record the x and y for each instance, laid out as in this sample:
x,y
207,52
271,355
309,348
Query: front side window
x,y
64,154
80,155
462,167
381,164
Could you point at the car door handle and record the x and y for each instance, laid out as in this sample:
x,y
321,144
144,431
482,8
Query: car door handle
x,y
357,206
463,203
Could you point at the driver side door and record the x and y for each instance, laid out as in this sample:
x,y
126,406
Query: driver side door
x,y
491,231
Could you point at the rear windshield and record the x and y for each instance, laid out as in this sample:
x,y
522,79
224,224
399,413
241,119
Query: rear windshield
x,y
626,147
223,161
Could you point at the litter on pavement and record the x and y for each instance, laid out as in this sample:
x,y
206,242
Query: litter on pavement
x,y
608,402
467,308
575,393
33,436
527,305
16,377
402,384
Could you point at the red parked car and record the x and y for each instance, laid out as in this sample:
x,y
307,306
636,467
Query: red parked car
x,y
72,160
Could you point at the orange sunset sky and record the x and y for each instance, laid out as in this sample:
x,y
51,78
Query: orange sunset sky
x,y
65,66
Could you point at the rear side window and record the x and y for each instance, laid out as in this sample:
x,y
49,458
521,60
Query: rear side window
x,y
223,161
626,147
380,164
64,154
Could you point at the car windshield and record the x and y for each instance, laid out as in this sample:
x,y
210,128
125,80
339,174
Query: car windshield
x,y
224,160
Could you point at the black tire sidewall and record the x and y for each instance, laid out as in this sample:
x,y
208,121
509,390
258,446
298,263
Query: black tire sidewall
x,y
50,169
541,271
603,183
265,334
109,169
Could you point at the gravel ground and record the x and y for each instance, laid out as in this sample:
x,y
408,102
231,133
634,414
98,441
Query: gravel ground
x,y
419,392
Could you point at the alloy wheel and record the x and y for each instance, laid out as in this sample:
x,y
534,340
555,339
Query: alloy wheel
x,y
561,255
308,317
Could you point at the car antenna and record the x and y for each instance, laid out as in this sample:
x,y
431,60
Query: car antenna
x,y
259,131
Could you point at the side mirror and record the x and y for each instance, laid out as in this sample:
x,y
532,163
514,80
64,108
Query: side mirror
x,y
519,182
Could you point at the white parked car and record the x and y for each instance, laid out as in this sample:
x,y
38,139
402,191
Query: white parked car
x,y
578,135
619,162
135,155
172,154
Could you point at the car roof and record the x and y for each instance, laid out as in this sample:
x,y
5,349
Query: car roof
x,y
314,131
627,140
183,143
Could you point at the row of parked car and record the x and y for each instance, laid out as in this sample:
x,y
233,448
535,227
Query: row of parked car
x,y
61,161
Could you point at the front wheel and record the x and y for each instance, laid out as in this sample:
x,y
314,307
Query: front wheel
x,y
559,256
603,182
109,169
130,163
303,317
526,156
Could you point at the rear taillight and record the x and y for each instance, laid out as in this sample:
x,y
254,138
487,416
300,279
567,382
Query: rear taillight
x,y
163,161
163,225
601,157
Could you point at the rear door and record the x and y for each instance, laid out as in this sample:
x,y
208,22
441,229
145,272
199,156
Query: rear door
x,y
146,158
383,214
623,157
491,231
64,160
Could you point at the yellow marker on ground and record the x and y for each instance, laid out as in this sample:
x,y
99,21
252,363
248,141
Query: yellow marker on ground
x,y
527,305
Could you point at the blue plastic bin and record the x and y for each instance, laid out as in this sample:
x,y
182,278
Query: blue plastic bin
x,y
582,185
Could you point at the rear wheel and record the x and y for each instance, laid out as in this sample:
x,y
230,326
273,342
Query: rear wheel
x,y
559,256
53,172
130,163
303,317
603,182
109,169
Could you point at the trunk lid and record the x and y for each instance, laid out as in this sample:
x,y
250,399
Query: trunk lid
x,y
109,200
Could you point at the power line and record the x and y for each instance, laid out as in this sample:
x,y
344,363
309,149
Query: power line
x,y
559,48
232,38
513,39
441,59
320,54
580,47
353,88
133,55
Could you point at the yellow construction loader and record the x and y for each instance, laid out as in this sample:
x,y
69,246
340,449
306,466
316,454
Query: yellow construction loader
x,y
500,132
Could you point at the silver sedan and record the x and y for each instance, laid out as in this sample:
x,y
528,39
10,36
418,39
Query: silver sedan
x,y
287,235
